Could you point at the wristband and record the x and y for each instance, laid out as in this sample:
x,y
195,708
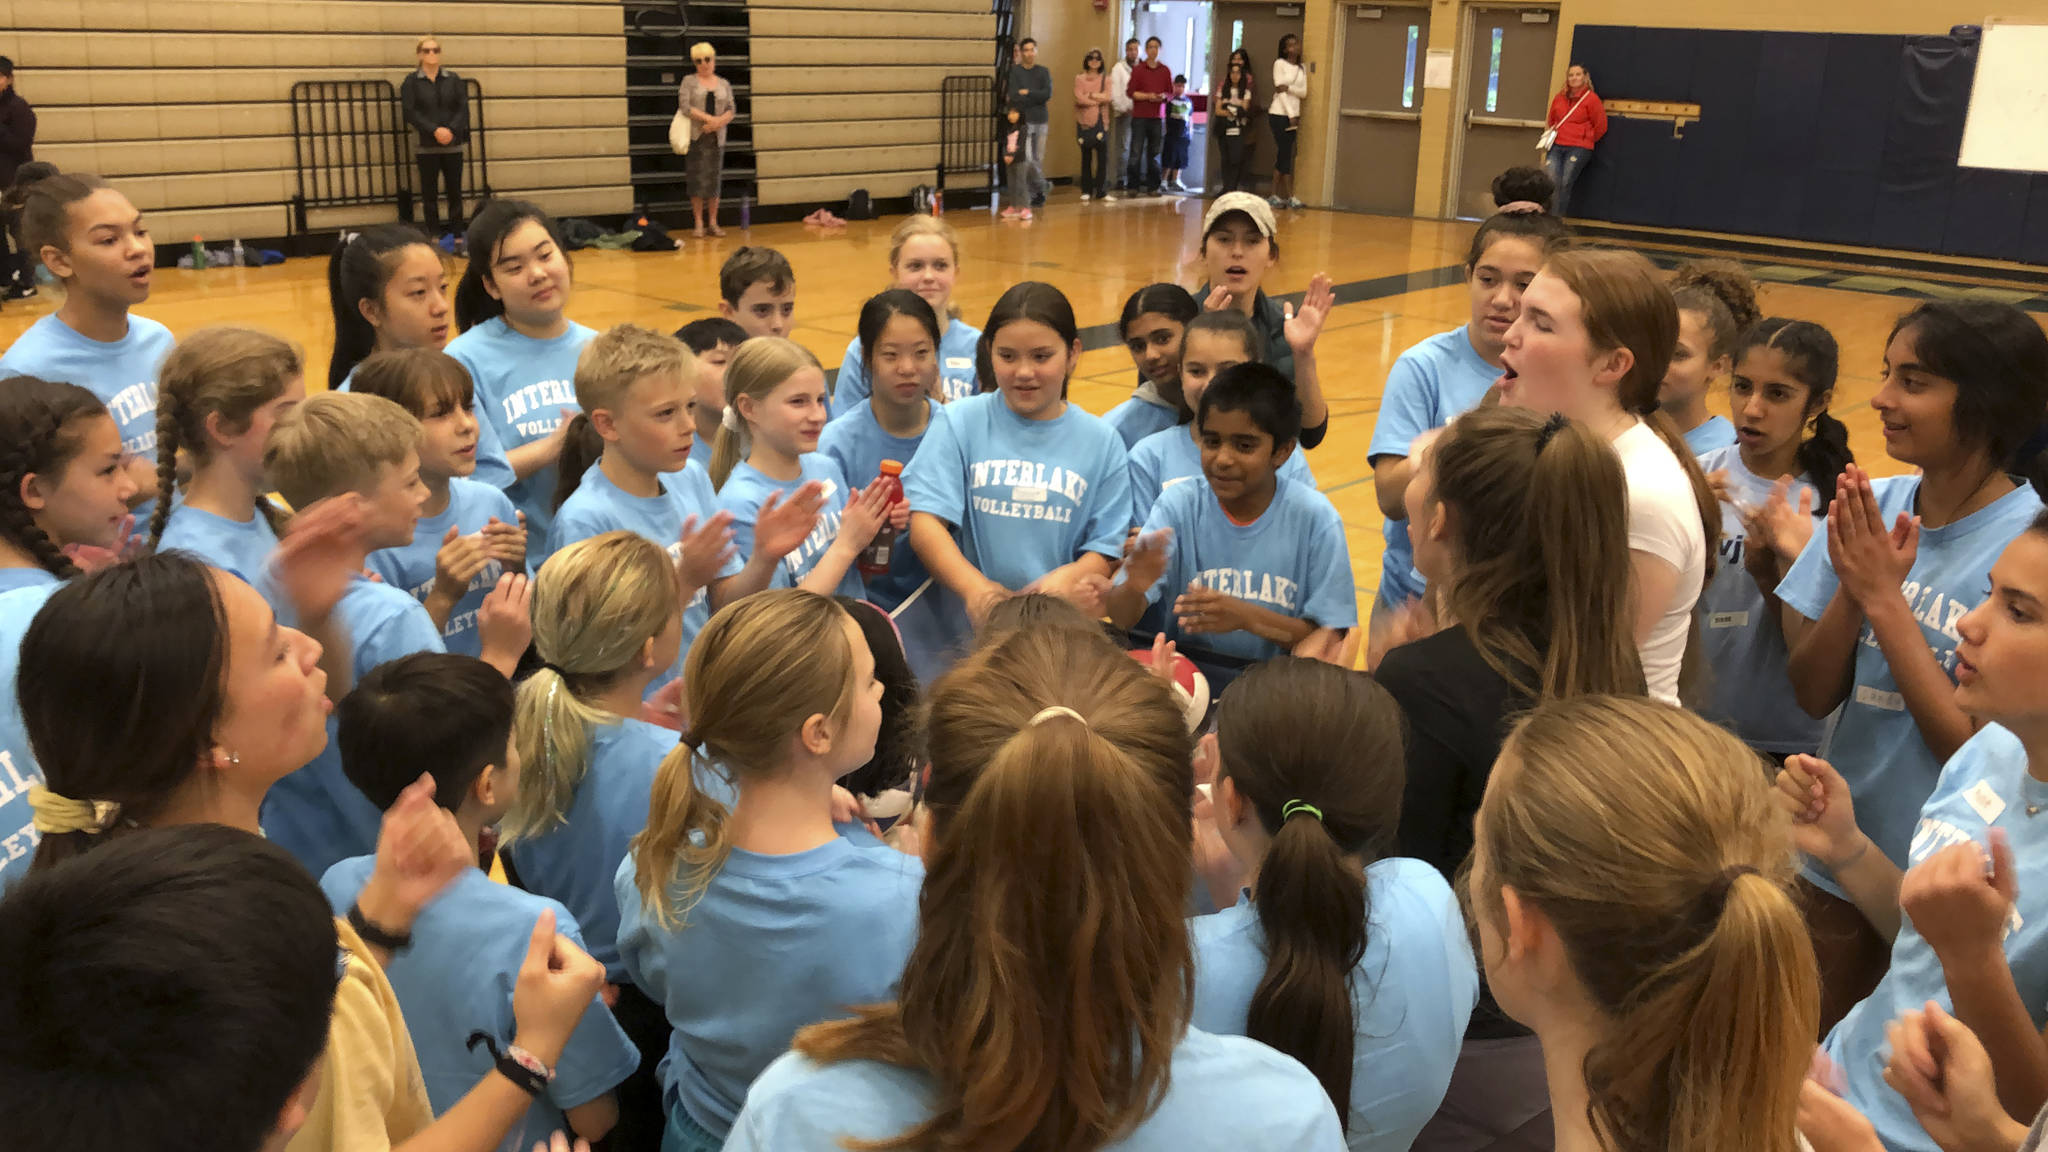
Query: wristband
x,y
515,1064
375,936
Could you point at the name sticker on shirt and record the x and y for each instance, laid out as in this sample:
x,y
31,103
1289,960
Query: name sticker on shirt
x,y
1728,620
959,363
1878,698
1982,798
1029,494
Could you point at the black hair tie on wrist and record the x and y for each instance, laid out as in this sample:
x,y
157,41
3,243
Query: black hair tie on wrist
x,y
515,1064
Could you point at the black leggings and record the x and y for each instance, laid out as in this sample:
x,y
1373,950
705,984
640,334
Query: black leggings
x,y
447,166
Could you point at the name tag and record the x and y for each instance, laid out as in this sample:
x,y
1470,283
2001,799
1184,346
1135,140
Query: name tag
x,y
960,363
1728,620
1985,801
1877,698
1028,494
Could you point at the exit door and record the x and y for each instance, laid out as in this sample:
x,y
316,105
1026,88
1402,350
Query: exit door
x,y
1508,55
1258,29
1379,110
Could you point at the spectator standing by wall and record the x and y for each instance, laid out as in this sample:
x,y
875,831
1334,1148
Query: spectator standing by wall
x,y
706,98
1091,125
1580,120
1290,88
1120,118
436,104
1180,133
17,147
1030,93
1234,122
1150,88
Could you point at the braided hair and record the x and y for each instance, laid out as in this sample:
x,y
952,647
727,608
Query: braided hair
x,y
38,436
224,372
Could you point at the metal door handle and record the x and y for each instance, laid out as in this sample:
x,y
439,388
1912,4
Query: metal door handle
x,y
1378,114
1474,120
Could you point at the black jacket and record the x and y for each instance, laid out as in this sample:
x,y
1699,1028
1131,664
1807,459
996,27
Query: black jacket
x,y
442,102
17,135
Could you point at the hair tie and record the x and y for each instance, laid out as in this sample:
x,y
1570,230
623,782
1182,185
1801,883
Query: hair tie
x,y
55,815
1292,807
1558,422
730,419
557,669
1045,714
1715,898
1520,208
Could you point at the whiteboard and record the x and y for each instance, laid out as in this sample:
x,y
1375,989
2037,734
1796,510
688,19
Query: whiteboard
x,y
2008,121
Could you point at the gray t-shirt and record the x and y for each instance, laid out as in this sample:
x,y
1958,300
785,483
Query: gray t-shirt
x,y
2037,1134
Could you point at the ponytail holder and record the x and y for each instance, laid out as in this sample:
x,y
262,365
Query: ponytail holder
x,y
1520,208
1715,898
1557,423
730,421
54,815
1045,714
1292,807
557,669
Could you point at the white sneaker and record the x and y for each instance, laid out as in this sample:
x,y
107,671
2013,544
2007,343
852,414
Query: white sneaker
x,y
1109,197
1295,202
1086,197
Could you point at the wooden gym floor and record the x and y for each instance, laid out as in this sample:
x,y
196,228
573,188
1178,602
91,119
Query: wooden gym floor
x,y
1398,283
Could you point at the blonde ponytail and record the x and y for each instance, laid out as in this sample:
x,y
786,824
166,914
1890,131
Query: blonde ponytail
x,y
596,604
1649,840
758,367
758,670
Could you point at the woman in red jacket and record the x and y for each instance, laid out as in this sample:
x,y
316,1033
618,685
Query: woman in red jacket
x,y
1580,121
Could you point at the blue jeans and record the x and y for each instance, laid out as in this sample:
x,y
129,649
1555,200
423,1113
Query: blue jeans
x,y
1564,163
1027,171
1147,137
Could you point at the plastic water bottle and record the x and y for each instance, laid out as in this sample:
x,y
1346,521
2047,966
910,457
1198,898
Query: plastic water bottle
x,y
876,557
746,212
938,202
240,260
198,254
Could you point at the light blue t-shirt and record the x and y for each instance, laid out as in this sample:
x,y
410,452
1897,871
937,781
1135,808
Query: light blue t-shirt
x,y
13,579
1433,383
957,346
1985,785
123,374
315,813
1024,496
457,977
18,771
1140,416
931,636
576,861
748,487
411,568
1745,650
241,547
1875,743
491,466
522,385
1169,457
1411,994
599,506
1717,433
1291,560
1225,1092
776,943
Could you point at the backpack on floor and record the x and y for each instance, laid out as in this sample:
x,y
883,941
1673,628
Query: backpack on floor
x,y
921,199
859,206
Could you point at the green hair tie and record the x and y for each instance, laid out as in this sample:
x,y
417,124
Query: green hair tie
x,y
1288,810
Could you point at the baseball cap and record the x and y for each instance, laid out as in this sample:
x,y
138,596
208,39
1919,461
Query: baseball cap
x,y
1252,206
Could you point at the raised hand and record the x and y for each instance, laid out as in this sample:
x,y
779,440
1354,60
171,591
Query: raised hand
x,y
1205,611
555,987
1305,323
865,514
420,851
1960,898
320,554
1942,1070
506,543
1823,817
1219,299
705,550
1145,559
458,561
781,525
504,622
1871,560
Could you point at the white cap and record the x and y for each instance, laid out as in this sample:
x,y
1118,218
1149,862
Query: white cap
x,y
1252,206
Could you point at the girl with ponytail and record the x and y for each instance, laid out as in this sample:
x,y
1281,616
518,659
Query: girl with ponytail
x,y
1519,519
1349,959
1716,305
389,289
1594,338
1773,480
748,916
1045,1005
607,620
1632,890
1966,917
222,389
1872,604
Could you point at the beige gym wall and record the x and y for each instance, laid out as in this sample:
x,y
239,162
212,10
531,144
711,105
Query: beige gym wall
x,y
1067,28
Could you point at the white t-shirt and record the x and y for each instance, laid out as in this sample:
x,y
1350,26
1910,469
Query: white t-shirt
x,y
1290,84
1664,521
